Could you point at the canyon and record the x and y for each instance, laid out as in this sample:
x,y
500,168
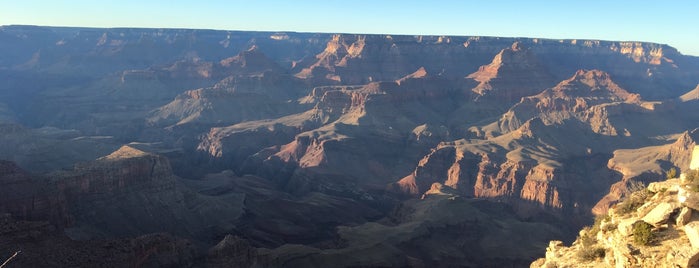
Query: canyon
x,y
207,148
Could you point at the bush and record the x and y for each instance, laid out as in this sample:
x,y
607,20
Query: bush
x,y
692,175
588,238
642,233
588,249
671,174
692,178
591,253
598,223
636,198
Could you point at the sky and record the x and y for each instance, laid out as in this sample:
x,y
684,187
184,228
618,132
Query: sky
x,y
672,22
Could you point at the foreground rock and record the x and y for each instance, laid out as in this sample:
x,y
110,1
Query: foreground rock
x,y
650,228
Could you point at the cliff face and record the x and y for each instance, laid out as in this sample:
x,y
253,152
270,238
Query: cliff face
x,y
97,199
133,184
514,73
528,153
25,197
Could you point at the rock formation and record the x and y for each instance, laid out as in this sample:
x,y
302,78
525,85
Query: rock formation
x,y
514,73
653,227
304,149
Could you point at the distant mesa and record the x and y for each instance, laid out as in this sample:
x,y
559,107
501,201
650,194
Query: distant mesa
x,y
594,84
252,60
513,73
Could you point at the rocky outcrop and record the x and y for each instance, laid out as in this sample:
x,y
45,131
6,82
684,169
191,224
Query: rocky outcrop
x,y
514,73
486,175
653,227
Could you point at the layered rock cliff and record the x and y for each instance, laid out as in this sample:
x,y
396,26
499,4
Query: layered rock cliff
x,y
130,183
514,73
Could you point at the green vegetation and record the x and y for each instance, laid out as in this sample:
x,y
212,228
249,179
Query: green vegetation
x,y
692,179
642,233
591,253
671,174
595,228
636,198
589,250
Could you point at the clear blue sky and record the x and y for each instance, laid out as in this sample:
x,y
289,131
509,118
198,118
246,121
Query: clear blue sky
x,y
673,22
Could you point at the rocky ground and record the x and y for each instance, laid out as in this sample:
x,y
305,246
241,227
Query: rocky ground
x,y
653,227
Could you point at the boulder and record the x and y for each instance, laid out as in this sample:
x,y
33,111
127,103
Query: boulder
x,y
661,213
693,261
623,257
668,186
553,248
683,257
688,198
684,216
692,231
